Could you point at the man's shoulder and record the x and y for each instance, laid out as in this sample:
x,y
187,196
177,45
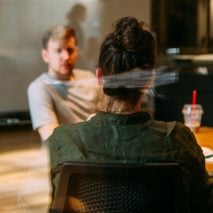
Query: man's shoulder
x,y
38,80
39,83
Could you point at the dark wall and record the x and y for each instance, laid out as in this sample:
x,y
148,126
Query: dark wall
x,y
170,98
181,23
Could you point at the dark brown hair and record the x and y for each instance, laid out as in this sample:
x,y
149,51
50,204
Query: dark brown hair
x,y
127,47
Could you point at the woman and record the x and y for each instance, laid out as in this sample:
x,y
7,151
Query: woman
x,y
123,131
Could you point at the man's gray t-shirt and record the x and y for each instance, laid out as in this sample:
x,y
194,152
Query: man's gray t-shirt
x,y
52,100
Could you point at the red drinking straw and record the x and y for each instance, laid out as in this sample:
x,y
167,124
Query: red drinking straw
x,y
194,97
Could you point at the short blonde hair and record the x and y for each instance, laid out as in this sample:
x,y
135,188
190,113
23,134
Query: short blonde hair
x,y
61,33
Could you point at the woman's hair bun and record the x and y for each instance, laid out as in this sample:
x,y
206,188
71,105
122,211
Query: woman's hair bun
x,y
128,34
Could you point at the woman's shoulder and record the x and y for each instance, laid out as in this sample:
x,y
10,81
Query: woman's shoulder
x,y
69,132
162,126
169,127
178,136
67,129
174,131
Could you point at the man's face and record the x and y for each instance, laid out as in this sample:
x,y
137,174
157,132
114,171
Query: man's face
x,y
60,57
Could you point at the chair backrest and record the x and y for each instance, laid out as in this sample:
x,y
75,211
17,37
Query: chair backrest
x,y
120,188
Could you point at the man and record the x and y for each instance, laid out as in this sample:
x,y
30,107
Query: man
x,y
63,94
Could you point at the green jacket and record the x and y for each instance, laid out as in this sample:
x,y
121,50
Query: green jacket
x,y
134,138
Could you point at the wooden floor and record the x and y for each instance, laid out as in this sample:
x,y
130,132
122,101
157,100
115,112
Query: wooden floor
x,y
24,180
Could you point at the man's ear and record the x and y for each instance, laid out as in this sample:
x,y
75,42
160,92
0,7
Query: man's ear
x,y
99,76
44,55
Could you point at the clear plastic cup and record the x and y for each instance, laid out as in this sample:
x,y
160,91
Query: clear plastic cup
x,y
192,116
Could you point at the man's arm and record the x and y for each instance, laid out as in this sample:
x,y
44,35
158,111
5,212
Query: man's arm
x,y
46,130
42,110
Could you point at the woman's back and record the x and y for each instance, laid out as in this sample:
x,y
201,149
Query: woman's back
x,y
134,138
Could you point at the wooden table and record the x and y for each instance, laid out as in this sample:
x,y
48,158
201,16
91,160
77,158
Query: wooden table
x,y
205,138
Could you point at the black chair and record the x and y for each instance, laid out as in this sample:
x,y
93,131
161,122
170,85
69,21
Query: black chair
x,y
120,188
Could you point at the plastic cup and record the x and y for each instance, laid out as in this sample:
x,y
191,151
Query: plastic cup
x,y
192,116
